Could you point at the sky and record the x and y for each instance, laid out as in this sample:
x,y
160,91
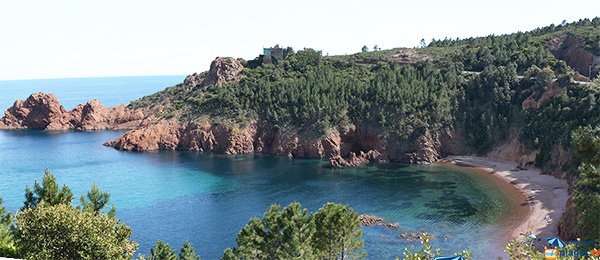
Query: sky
x,y
84,38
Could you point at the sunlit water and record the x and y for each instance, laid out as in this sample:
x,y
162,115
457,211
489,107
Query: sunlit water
x,y
207,199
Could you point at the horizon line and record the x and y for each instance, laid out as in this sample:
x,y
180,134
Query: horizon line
x,y
89,77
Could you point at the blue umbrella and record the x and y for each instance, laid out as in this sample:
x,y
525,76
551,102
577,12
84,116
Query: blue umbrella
x,y
555,241
449,258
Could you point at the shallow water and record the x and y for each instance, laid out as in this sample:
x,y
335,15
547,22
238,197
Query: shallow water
x,y
207,199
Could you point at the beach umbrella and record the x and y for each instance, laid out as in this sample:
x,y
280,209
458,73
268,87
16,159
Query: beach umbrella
x,y
532,236
458,257
555,241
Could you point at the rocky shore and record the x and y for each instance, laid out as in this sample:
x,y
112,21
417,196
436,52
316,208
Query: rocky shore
x,y
43,112
351,146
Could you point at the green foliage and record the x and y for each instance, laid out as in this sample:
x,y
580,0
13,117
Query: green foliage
x,y
95,200
523,48
5,217
47,192
8,246
305,60
337,233
522,249
406,100
291,233
162,251
426,252
187,252
552,123
487,107
586,192
61,232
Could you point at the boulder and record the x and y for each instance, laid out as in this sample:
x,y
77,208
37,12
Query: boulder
x,y
223,71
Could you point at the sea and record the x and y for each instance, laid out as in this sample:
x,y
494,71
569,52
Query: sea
x,y
178,196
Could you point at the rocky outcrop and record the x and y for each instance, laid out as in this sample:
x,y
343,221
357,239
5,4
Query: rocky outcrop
x,y
409,56
354,160
197,136
567,226
370,220
44,112
193,79
532,102
412,237
514,151
570,49
223,71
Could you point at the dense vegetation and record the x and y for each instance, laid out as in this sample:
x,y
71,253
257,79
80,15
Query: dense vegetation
x,y
477,88
314,94
291,233
586,192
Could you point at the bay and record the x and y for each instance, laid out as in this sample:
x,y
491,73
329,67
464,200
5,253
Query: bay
x,y
206,198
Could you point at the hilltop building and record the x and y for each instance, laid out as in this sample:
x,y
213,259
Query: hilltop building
x,y
272,53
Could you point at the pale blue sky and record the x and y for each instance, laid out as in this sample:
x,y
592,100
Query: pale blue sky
x,y
79,38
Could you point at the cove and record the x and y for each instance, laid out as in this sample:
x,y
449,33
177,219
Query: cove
x,y
206,199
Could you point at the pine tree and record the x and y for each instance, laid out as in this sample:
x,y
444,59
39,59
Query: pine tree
x,y
292,233
337,233
5,217
48,192
228,254
8,247
187,252
297,232
96,201
251,241
586,192
162,251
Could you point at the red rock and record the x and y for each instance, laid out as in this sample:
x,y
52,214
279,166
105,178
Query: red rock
x,y
222,71
43,111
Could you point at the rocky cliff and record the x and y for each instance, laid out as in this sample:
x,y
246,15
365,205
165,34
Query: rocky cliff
x,y
44,112
570,49
360,146
222,71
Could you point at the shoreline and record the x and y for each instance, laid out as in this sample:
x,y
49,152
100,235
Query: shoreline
x,y
545,195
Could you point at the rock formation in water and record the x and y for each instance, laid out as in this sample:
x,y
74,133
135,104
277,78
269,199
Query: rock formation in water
x,y
44,112
370,220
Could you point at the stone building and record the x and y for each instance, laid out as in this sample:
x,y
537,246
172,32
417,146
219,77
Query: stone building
x,y
271,53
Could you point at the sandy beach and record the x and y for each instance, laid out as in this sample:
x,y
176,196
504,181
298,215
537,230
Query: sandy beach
x,y
546,196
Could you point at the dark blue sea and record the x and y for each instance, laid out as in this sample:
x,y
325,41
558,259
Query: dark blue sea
x,y
207,198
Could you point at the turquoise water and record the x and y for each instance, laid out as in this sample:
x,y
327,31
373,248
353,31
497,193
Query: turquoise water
x,y
207,199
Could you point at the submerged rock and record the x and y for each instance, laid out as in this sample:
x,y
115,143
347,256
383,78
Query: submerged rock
x,y
413,237
354,160
370,220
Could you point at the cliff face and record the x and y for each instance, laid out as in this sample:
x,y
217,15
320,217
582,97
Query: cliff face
x,y
44,112
570,49
359,145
